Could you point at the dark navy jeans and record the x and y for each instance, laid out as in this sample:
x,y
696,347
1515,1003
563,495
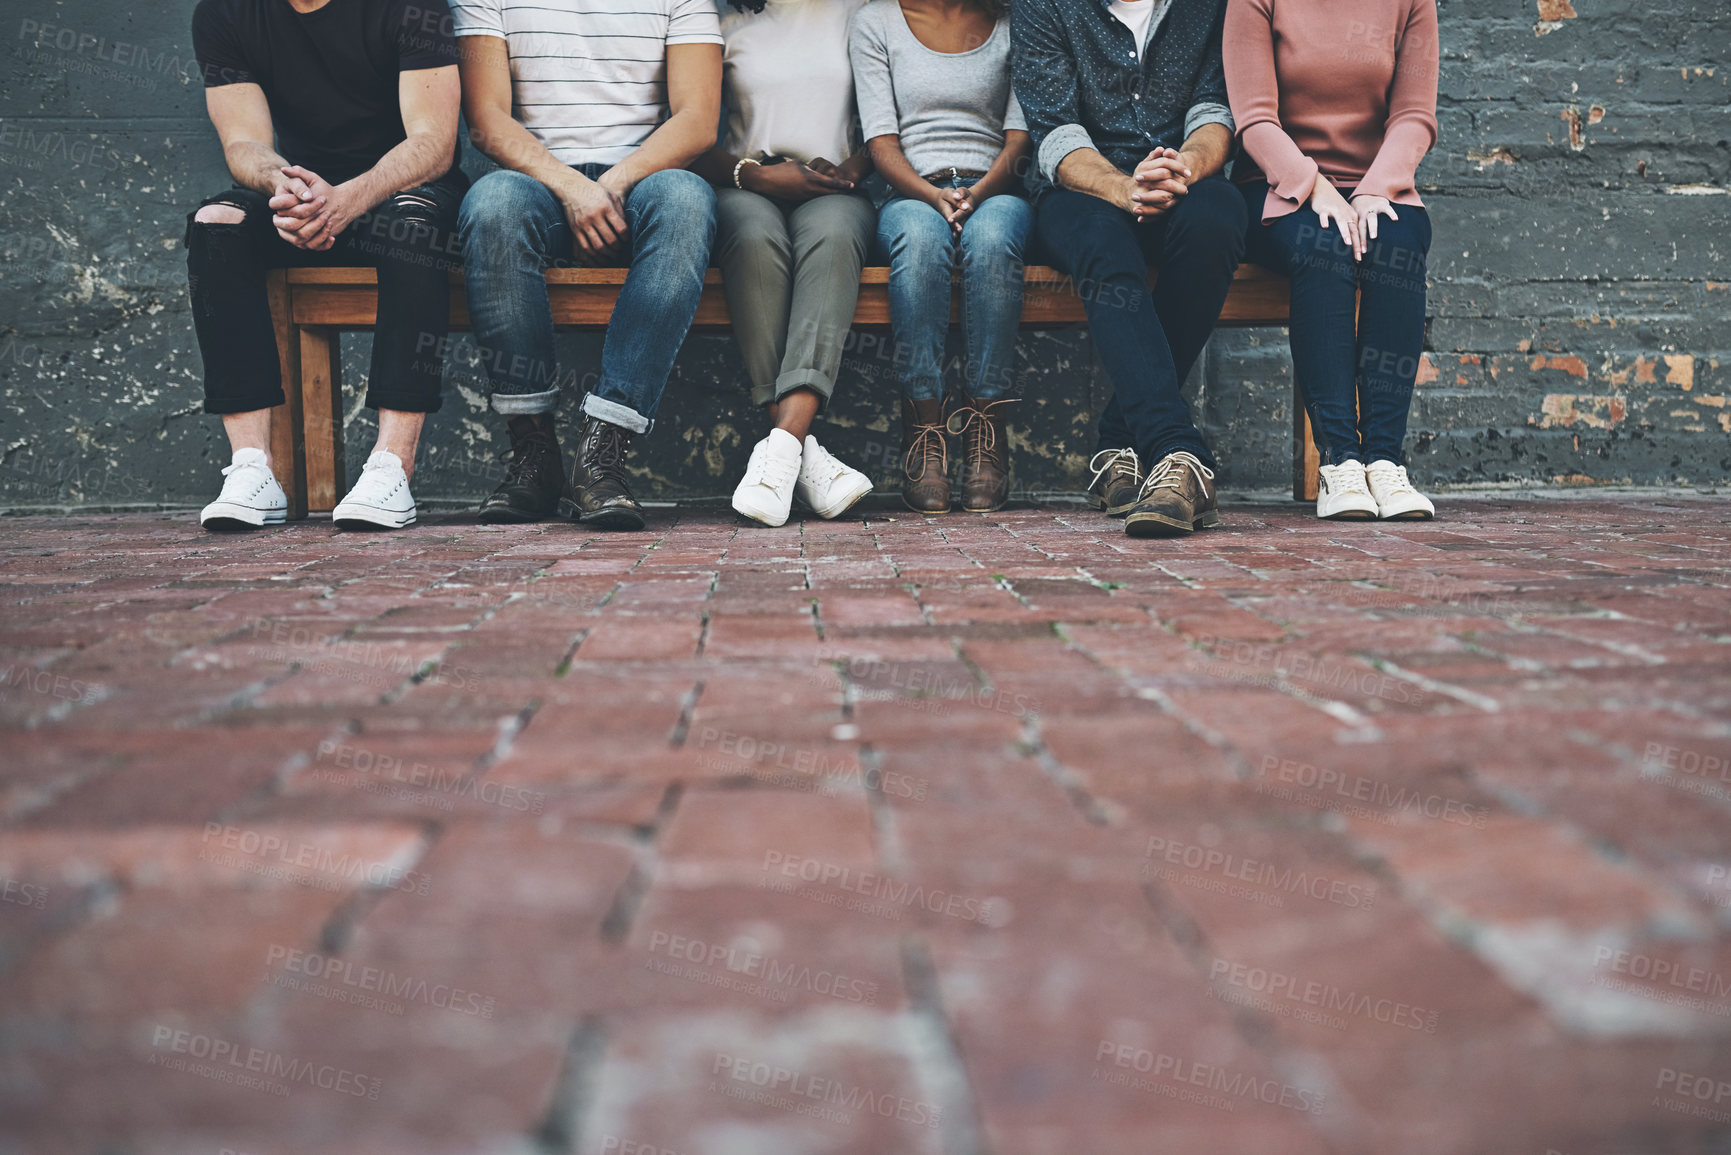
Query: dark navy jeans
x,y
1148,341
1356,377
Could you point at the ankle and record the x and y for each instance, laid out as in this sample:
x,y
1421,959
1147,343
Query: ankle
x,y
523,424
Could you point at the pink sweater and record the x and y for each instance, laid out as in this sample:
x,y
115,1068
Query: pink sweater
x,y
1344,86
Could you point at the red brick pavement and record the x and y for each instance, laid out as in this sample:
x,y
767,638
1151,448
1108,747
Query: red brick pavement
x,y
952,835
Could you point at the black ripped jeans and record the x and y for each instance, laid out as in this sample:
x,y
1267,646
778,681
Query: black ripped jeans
x,y
410,238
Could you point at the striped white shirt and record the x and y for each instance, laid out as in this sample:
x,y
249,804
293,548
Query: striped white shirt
x,y
589,77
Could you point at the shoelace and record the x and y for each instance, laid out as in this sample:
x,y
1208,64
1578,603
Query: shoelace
x,y
1169,474
824,464
1391,477
1118,461
235,467
1349,481
380,475
928,442
976,431
775,471
608,457
529,451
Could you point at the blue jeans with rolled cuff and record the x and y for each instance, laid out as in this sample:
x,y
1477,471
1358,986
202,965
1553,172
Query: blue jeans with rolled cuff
x,y
1355,374
1148,341
923,254
514,229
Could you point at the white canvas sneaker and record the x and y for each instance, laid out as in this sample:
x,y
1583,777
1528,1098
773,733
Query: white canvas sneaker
x,y
1342,495
765,493
1396,499
250,496
380,499
827,486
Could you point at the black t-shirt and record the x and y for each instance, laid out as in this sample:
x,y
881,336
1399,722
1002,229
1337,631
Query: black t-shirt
x,y
330,76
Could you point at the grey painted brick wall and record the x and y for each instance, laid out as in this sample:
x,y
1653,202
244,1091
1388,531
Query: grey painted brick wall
x,y
1580,312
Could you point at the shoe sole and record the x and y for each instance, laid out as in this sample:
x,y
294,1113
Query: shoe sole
x,y
1348,515
612,519
505,515
226,523
757,519
985,508
917,509
1153,525
1116,510
1410,515
369,524
851,502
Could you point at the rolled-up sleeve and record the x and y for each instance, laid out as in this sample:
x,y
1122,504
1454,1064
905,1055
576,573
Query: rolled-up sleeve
x,y
1208,113
1044,76
1060,143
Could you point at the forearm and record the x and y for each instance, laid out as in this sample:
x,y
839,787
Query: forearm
x,y
1207,149
421,157
1006,170
503,140
892,164
716,166
1087,171
676,142
255,166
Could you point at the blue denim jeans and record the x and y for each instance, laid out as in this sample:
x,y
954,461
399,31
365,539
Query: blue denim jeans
x,y
922,254
514,228
1356,378
1148,341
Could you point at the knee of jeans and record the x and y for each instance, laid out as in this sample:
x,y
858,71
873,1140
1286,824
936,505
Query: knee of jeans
x,y
497,208
673,200
1399,247
915,241
1215,215
414,206
997,234
220,214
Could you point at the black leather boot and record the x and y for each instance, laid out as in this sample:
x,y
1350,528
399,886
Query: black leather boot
x,y
598,494
534,478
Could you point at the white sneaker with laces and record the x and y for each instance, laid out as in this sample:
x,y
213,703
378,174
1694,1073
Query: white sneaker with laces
x,y
1342,495
765,493
827,486
250,496
1396,499
380,499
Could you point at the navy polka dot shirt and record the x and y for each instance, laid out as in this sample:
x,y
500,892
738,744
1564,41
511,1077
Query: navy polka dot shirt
x,y
1082,84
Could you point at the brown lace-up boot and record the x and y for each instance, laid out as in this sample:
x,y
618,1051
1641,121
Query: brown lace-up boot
x,y
925,457
985,453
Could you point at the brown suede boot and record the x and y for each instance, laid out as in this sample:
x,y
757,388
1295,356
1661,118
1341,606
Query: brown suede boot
x,y
985,453
925,457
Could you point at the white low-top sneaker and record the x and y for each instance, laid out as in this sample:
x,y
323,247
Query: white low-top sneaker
x,y
250,495
1342,495
380,499
1396,499
765,493
827,486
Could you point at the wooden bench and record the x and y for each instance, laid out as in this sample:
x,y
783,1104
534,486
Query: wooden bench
x,y
310,307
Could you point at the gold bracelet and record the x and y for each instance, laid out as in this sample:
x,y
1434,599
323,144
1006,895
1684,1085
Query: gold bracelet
x,y
743,161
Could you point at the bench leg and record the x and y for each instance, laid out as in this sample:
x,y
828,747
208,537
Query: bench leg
x,y
287,444
322,412
1305,459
